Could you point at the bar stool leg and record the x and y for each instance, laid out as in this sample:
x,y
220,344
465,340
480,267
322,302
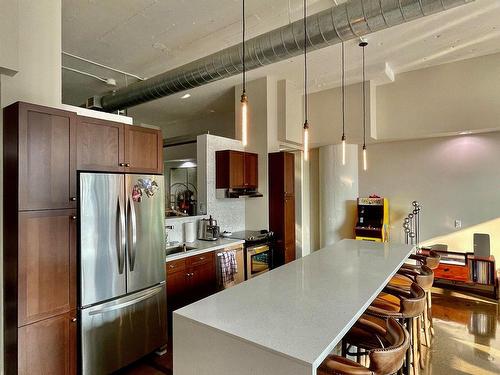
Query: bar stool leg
x,y
420,319
407,366
429,311
414,346
427,325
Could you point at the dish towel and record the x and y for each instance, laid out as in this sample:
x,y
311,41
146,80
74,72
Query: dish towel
x,y
229,267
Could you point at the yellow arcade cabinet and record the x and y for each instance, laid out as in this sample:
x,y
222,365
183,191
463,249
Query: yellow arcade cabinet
x,y
373,219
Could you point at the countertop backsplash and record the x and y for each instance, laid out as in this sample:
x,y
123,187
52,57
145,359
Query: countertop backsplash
x,y
177,233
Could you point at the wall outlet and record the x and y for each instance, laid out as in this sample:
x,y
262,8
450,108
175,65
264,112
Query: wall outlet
x,y
458,224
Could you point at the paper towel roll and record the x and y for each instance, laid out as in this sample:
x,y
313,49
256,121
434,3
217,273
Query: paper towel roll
x,y
189,232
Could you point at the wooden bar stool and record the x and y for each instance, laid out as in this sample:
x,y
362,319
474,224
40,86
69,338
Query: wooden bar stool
x,y
431,260
386,342
423,276
407,305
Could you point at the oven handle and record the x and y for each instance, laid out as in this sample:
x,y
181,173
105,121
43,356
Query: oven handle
x,y
258,249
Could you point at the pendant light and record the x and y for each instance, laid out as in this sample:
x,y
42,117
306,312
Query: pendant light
x,y
244,97
306,123
343,104
363,44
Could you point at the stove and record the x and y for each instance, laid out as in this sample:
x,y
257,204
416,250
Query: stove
x,y
252,236
258,249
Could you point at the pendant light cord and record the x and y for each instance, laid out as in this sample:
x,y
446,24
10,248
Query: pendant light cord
x,y
305,63
244,62
343,92
363,45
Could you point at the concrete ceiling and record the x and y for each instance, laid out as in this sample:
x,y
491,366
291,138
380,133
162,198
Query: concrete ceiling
x,y
147,37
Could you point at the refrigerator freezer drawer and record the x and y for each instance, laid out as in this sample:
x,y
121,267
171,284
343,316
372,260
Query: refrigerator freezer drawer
x,y
116,333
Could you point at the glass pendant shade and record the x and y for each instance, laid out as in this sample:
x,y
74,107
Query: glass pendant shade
x,y
244,119
343,150
306,141
365,163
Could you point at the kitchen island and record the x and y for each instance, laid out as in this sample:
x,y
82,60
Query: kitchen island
x,y
284,322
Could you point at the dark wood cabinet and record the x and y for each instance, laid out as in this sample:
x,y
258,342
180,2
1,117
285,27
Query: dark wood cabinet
x,y
282,205
236,170
45,157
109,146
100,145
47,264
143,150
49,346
189,280
251,170
39,240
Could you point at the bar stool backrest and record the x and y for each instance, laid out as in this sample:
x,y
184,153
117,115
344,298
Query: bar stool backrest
x,y
389,360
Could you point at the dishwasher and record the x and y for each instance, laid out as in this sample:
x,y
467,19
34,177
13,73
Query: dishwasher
x,y
240,266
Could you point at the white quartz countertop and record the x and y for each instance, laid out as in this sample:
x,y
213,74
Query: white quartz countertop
x,y
303,309
204,247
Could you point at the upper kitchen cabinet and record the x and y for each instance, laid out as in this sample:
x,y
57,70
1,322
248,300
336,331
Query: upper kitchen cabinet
x,y
108,146
100,145
40,143
251,170
236,170
143,150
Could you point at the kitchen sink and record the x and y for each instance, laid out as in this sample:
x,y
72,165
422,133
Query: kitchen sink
x,y
179,249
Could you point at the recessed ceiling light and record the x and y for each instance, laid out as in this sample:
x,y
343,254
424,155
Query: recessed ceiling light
x,y
185,96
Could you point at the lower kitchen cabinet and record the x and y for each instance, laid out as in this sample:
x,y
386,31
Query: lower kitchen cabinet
x,y
48,346
189,280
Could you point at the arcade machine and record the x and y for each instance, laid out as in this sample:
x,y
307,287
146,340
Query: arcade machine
x,y
373,219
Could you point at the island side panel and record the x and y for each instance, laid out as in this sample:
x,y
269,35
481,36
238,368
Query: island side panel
x,y
199,349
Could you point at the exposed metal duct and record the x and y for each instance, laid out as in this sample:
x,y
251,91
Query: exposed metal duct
x,y
349,20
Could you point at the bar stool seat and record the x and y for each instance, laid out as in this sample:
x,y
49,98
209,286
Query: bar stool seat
x,y
337,365
385,342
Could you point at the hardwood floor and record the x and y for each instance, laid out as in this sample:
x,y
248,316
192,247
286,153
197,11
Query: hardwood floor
x,y
467,340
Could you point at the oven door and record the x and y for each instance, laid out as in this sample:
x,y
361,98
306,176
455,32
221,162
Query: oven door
x,y
259,260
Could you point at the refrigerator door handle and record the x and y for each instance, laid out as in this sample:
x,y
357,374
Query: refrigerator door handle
x,y
122,240
128,303
132,233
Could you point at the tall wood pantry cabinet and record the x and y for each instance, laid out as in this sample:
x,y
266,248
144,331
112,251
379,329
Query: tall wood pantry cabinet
x,y
282,205
43,150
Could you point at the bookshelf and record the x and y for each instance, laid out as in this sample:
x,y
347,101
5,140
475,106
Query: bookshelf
x,y
466,272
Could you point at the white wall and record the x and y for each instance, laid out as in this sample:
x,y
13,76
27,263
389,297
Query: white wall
x,y
260,122
32,33
436,101
229,212
9,37
448,98
338,190
453,178
221,124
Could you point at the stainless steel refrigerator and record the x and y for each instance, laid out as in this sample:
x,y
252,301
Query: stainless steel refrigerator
x,y
122,294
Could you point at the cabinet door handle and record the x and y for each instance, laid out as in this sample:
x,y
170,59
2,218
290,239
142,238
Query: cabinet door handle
x,y
121,164
127,164
73,199
171,266
202,258
73,217
73,320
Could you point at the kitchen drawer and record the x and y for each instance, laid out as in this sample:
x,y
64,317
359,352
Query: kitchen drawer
x,y
198,260
452,272
176,266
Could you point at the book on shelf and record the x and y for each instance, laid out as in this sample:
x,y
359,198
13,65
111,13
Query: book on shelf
x,y
481,271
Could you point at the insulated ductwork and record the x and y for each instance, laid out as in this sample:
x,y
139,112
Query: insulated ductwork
x,y
349,20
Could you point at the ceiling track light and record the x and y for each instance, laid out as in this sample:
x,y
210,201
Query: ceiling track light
x,y
343,106
306,109
363,44
244,97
